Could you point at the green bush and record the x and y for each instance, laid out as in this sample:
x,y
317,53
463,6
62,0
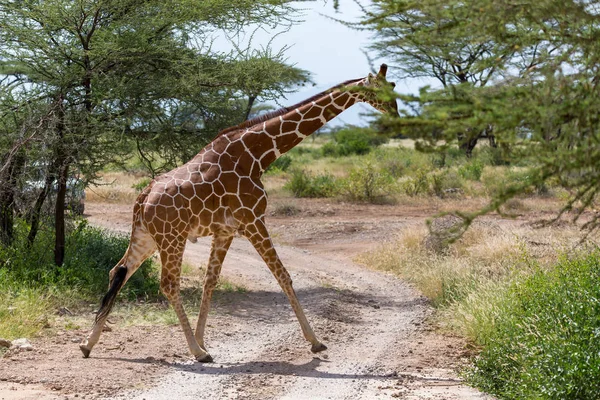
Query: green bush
x,y
329,149
500,180
444,182
369,184
546,338
282,164
141,184
394,160
353,140
472,170
304,184
89,254
417,184
492,156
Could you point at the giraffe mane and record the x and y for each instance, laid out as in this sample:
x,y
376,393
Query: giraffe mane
x,y
276,113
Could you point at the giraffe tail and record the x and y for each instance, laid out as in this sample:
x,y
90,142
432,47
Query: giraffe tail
x,y
109,298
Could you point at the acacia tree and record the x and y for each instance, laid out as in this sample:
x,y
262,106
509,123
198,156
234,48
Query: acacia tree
x,y
544,105
115,71
432,40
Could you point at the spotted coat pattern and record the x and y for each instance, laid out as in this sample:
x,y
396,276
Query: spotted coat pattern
x,y
219,193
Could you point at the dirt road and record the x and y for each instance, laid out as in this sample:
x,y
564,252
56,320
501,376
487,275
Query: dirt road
x,y
380,345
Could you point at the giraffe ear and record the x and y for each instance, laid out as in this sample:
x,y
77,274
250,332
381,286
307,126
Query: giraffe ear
x,y
370,77
383,70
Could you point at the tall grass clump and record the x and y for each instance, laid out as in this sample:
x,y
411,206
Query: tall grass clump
x,y
305,184
480,256
31,285
369,184
546,338
400,161
281,164
353,140
472,170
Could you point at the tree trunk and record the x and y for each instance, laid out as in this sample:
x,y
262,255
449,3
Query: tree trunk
x,y
34,216
8,182
468,144
59,215
251,100
63,174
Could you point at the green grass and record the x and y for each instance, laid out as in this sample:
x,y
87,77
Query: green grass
x,y
24,313
305,184
546,338
33,288
534,314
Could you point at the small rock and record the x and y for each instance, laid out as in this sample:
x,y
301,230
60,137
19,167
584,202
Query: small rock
x,y
5,343
22,344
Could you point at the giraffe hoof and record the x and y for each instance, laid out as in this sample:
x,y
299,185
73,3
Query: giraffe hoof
x,y
85,351
206,358
318,347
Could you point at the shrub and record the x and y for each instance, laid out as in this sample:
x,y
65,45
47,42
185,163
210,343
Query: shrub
x,y
89,254
92,252
493,156
288,210
546,337
280,165
417,184
329,149
472,170
141,184
499,180
369,184
353,140
445,182
304,184
494,180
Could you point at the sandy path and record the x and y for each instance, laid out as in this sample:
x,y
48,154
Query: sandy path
x,y
371,322
375,325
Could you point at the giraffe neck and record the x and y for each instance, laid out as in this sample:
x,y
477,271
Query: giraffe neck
x,y
272,138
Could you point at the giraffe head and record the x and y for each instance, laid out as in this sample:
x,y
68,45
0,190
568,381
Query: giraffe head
x,y
374,85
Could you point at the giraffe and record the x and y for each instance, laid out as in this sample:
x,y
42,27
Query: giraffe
x,y
219,193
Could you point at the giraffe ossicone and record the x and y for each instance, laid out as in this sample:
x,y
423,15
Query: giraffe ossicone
x,y
219,193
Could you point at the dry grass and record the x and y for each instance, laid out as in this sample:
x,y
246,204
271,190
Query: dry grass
x,y
466,281
114,187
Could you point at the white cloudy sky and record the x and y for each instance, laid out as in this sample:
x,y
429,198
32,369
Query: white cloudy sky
x,y
331,51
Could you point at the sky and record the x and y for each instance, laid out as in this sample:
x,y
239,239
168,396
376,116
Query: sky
x,y
332,52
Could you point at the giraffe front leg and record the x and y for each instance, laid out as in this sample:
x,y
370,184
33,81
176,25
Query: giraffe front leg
x,y
218,250
259,237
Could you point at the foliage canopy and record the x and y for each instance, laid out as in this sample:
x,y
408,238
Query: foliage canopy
x,y
526,71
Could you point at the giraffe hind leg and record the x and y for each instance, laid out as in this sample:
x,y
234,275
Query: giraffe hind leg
x,y
141,246
108,301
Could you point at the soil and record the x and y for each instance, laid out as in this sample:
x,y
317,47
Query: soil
x,y
381,343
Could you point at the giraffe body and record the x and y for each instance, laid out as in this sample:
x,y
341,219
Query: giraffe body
x,y
219,193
